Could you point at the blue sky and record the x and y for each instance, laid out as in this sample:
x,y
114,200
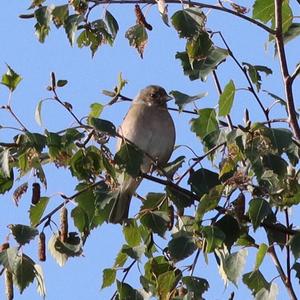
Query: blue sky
x,y
81,278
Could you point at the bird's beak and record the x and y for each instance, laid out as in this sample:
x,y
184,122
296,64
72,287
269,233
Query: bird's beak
x,y
168,98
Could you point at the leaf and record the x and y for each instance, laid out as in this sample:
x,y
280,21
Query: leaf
x,y
254,73
109,276
138,38
296,267
205,123
181,246
163,9
226,99
60,14
126,292
43,17
157,221
214,238
295,245
263,10
36,211
259,209
38,113
130,159
11,79
39,276
131,233
255,281
230,227
61,82
23,234
8,258
268,294
188,22
208,202
112,24
202,181
166,282
71,25
96,110
6,183
182,99
135,253
276,235
232,265
260,255
195,285
292,32
171,167
103,126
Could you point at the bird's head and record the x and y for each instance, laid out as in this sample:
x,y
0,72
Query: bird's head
x,y
153,95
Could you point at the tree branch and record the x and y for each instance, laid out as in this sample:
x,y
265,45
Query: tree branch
x,y
193,3
287,79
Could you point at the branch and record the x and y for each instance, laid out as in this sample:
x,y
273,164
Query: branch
x,y
296,72
287,79
192,3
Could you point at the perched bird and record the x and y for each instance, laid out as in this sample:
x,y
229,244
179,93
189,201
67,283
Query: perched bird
x,y
150,127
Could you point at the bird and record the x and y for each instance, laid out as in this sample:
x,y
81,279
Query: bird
x,y
148,125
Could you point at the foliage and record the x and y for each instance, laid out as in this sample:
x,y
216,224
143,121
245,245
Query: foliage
x,y
253,180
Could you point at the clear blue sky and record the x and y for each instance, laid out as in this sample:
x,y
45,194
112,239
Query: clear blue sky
x,y
81,278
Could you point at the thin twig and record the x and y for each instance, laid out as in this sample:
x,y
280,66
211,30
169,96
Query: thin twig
x,y
196,4
296,72
195,262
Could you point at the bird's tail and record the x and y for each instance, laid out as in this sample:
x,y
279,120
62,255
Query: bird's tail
x,y
120,208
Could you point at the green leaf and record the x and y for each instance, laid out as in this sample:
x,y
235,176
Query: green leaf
x,y
130,159
205,123
232,265
112,24
132,233
254,73
60,14
268,294
36,211
292,32
43,17
214,238
23,234
196,285
166,282
255,281
138,38
171,167
8,258
208,202
96,110
157,221
181,246
71,25
109,277
230,227
260,255
103,126
80,218
202,181
180,199
296,267
188,22
259,209
61,82
11,79
6,183
276,235
126,292
120,259
182,99
263,10
295,245
275,163
226,99
135,253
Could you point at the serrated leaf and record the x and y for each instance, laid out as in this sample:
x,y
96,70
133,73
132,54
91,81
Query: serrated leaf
x,y
103,126
43,17
263,10
166,282
132,233
182,99
157,221
36,211
136,252
137,37
205,123
295,245
109,277
259,209
232,265
268,294
60,14
171,168
71,25
126,292
130,159
112,24
39,276
8,258
23,234
214,238
255,281
226,99
292,32
11,79
197,286
260,255
181,246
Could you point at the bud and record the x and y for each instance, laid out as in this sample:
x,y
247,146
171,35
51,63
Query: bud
x,y
63,224
171,217
9,288
36,193
42,247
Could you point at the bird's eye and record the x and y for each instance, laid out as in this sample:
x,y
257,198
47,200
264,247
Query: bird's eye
x,y
153,95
